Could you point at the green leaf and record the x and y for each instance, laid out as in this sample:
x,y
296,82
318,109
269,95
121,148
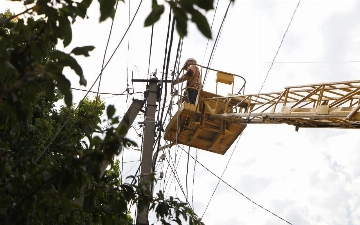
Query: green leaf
x,y
64,86
110,111
205,4
66,206
68,60
202,23
106,9
81,9
49,90
82,81
65,27
181,21
155,14
114,120
27,2
89,202
82,50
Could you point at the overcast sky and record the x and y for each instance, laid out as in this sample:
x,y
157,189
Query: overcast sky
x,y
306,177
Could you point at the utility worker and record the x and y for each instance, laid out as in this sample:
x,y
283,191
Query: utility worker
x,y
193,78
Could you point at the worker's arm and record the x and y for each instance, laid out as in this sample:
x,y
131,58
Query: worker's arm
x,y
186,76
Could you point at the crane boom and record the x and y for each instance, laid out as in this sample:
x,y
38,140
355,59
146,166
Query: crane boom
x,y
214,122
316,105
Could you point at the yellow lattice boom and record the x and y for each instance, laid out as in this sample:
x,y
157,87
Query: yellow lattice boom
x,y
316,105
214,122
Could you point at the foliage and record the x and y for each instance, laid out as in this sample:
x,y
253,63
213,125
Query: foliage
x,y
49,157
183,10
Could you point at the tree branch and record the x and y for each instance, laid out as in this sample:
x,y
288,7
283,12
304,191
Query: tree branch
x,y
14,16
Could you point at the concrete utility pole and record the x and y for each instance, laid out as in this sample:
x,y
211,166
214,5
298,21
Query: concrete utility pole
x,y
149,139
127,121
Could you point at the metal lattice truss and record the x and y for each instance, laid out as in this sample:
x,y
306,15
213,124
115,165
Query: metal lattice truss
x,y
317,105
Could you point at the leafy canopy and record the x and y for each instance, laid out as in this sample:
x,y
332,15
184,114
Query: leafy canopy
x,y
50,158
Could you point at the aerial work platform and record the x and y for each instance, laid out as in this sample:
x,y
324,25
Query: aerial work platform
x,y
193,125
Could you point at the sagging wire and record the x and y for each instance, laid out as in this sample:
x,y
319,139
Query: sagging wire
x,y
68,119
107,45
222,174
237,190
165,71
107,93
282,40
207,43
215,43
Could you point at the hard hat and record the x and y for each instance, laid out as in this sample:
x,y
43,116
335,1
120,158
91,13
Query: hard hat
x,y
190,61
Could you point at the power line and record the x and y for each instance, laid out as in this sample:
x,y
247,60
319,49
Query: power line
x,y
151,42
177,178
106,93
272,63
221,175
192,193
215,43
107,45
165,72
236,189
314,62
207,43
67,120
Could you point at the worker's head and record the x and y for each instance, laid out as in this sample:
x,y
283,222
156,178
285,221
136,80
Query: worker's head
x,y
189,61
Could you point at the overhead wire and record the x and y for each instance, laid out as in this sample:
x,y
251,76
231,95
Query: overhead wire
x,y
127,83
68,119
151,43
207,43
176,68
282,40
237,190
165,74
193,184
107,45
177,161
107,93
314,62
177,179
215,43
222,174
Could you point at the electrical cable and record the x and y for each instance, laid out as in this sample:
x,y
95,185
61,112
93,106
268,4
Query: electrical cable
x,y
127,65
207,43
177,63
107,45
166,74
177,179
267,74
162,78
192,194
151,42
222,174
104,93
215,43
68,119
237,190
314,62
131,167
176,166
127,85
187,172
